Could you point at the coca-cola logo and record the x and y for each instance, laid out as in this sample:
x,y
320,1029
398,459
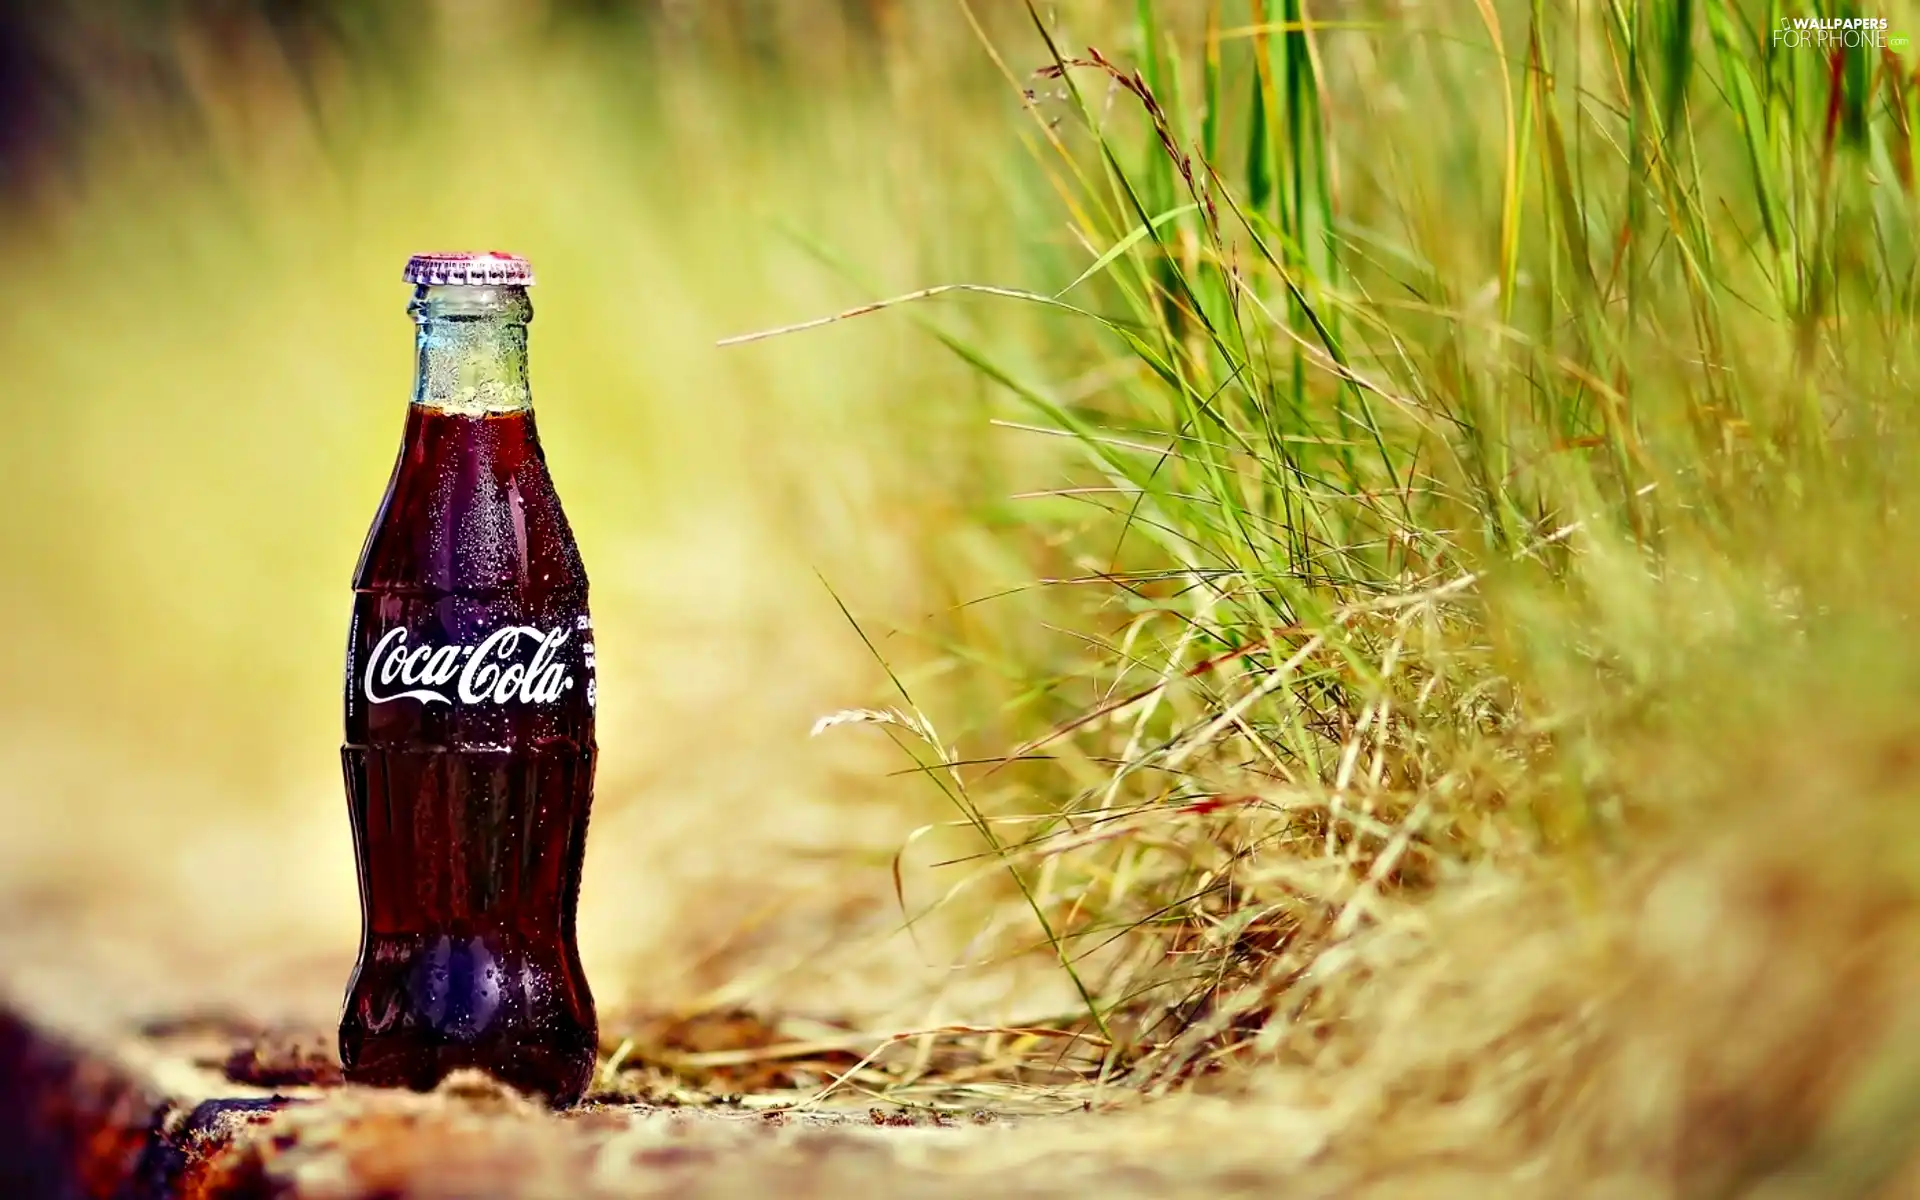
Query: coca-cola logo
x,y
490,672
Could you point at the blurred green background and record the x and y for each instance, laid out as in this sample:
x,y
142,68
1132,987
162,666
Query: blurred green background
x,y
206,209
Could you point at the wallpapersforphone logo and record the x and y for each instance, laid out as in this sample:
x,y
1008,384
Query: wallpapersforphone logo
x,y
1837,33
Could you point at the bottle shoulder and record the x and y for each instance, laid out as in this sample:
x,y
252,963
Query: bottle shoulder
x,y
470,540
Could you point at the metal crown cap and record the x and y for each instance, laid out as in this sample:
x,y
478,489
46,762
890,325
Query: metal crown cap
x,y
487,268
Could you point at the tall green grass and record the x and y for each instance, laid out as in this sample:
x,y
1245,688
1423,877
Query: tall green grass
x,y
1466,398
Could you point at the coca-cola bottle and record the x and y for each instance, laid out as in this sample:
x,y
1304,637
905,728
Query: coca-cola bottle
x,y
470,701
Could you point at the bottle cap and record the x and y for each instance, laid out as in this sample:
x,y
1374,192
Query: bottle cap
x,y
488,268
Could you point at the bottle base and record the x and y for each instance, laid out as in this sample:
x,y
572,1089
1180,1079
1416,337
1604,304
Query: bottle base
x,y
558,1079
423,1006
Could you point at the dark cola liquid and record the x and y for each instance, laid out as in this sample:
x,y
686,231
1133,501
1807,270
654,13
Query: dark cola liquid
x,y
469,766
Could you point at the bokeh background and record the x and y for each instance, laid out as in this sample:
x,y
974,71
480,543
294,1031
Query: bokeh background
x,y
206,361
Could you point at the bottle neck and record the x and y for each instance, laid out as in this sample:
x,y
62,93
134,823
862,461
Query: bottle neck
x,y
472,349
